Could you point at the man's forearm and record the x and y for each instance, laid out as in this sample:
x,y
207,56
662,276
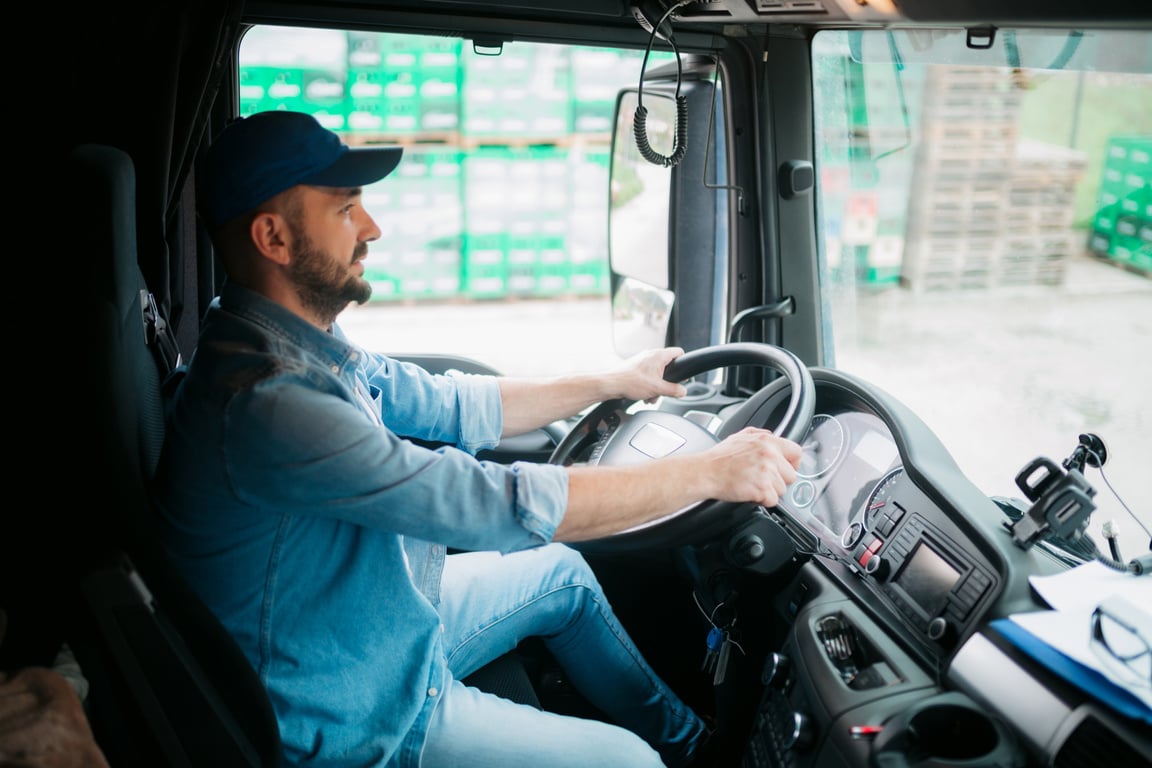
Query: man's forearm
x,y
751,465
531,403
606,500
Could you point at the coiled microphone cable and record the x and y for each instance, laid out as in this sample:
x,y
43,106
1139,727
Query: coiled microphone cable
x,y
640,119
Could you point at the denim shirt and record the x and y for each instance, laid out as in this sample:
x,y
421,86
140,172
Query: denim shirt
x,y
293,505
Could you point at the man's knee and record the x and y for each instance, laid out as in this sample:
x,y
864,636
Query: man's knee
x,y
570,562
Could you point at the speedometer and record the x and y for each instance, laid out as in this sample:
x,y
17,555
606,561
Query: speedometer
x,y
822,445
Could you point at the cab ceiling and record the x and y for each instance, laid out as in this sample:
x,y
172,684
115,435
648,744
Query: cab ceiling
x,y
519,16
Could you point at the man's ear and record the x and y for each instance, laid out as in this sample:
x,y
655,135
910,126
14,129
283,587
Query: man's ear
x,y
270,236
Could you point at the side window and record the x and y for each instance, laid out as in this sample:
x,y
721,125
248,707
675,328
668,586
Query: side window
x,y
987,242
495,224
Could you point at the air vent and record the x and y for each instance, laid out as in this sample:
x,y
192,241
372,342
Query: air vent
x,y
788,6
1094,745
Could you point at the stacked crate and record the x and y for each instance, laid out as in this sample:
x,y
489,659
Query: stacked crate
x,y
588,167
1122,227
515,184
595,83
962,177
515,199
303,70
421,219
987,210
401,85
522,93
1038,234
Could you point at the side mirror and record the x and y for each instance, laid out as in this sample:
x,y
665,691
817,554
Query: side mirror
x,y
638,225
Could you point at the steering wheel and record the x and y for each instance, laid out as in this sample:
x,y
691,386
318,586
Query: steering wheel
x,y
608,434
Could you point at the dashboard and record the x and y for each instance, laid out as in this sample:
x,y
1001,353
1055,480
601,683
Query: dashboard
x,y
886,577
855,498
891,655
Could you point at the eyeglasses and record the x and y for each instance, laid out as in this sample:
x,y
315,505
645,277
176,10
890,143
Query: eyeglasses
x,y
1115,637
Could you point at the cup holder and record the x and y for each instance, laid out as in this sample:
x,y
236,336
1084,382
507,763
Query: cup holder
x,y
953,732
945,731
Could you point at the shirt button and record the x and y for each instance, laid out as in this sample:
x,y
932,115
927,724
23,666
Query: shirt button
x,y
335,369
354,356
432,691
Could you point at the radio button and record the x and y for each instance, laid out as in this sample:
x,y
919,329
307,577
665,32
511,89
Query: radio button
x,y
940,630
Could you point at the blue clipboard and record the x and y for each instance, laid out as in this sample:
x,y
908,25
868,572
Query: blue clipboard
x,y
1085,678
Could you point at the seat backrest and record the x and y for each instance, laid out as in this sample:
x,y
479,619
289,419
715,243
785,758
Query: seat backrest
x,y
168,684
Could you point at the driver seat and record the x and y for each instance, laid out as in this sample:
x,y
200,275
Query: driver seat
x,y
168,684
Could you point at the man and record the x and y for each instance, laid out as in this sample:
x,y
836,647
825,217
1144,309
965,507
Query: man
x,y
317,533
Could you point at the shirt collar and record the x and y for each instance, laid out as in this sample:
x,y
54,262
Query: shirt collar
x,y
281,321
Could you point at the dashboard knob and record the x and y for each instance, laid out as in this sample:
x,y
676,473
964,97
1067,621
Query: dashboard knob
x,y
777,671
748,549
802,735
939,630
877,567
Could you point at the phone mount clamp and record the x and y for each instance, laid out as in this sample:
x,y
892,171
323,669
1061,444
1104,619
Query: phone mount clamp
x,y
1061,497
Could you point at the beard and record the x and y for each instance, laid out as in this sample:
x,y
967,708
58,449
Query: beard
x,y
323,282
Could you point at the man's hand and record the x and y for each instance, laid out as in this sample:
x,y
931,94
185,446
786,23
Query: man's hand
x,y
42,723
752,465
641,377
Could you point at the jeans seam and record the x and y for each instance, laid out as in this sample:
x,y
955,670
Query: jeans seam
x,y
509,614
614,627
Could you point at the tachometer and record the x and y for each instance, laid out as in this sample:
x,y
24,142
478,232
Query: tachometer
x,y
880,510
822,445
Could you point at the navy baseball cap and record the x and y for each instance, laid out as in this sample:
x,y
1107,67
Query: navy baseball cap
x,y
257,157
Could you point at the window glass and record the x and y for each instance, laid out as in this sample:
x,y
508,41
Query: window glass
x,y
986,229
495,224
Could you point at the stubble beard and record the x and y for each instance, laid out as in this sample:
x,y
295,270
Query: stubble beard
x,y
323,283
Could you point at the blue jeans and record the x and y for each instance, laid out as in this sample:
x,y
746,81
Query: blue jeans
x,y
489,603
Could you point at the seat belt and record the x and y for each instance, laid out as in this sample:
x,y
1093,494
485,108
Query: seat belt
x,y
159,338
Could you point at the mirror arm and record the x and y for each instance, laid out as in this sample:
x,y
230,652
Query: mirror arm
x,y
782,308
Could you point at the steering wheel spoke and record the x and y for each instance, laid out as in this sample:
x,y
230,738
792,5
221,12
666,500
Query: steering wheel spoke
x,y
595,426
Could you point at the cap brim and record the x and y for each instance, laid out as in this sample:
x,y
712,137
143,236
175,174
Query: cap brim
x,y
358,167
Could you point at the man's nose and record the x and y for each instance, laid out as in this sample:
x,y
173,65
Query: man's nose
x,y
372,231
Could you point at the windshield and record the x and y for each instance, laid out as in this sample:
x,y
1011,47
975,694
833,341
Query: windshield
x,y
986,228
494,236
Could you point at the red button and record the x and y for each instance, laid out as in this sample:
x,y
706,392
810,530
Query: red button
x,y
865,731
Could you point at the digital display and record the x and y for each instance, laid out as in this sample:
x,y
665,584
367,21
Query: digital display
x,y
927,578
877,450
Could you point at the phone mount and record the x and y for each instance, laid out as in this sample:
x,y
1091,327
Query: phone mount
x,y
1061,497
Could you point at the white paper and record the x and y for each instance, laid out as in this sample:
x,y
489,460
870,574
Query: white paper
x,y
1073,595
1085,586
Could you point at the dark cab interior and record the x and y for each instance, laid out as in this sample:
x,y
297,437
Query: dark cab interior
x,y
867,618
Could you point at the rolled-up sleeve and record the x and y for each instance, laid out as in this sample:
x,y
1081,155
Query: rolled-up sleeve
x,y
541,497
457,408
353,469
482,411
